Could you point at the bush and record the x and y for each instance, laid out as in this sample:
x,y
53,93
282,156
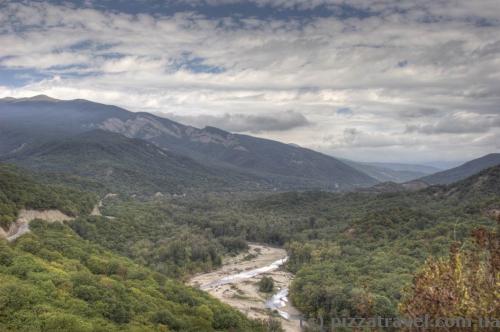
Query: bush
x,y
64,322
165,317
6,254
266,284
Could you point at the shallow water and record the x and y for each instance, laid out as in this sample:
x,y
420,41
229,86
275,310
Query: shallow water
x,y
245,274
279,300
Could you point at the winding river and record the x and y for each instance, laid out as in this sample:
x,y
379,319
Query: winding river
x,y
236,284
233,278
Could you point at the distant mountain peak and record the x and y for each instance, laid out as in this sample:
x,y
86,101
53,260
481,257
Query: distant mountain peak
x,y
34,98
463,171
217,131
42,98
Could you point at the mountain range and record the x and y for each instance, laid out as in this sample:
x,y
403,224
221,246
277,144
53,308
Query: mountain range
x,y
123,150
29,124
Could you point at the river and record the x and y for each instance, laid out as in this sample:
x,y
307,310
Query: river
x,y
236,284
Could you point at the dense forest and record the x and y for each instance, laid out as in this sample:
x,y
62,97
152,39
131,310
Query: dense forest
x,y
159,235
353,254
18,190
53,280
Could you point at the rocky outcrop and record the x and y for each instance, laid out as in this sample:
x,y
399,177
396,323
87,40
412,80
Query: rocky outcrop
x,y
139,127
21,226
148,128
215,136
96,211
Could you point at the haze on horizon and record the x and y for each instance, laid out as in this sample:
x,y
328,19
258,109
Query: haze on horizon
x,y
410,81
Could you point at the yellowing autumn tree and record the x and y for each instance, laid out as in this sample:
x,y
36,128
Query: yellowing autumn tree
x,y
467,284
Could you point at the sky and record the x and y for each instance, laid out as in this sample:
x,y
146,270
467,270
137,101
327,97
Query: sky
x,y
369,80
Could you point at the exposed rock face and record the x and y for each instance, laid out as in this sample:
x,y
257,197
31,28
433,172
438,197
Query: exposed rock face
x,y
46,215
16,230
148,128
21,226
215,136
139,127
96,211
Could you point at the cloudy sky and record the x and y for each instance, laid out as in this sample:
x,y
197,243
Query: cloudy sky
x,y
376,80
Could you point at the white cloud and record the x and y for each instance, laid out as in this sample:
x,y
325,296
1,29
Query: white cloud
x,y
417,65
246,122
459,123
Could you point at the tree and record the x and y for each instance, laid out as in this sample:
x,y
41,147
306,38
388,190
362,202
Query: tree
x,y
464,285
266,284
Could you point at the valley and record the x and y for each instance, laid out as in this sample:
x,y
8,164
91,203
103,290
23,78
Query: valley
x,y
236,283
249,166
216,241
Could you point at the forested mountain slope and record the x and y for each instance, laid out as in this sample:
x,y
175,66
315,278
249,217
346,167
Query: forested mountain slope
x,y
360,252
25,122
463,171
125,164
53,280
18,191
353,253
349,251
392,172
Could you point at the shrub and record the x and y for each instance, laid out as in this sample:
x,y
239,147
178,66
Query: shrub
x,y
266,284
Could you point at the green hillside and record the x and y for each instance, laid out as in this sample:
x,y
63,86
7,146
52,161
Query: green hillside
x,y
353,254
120,164
463,171
158,234
19,191
53,280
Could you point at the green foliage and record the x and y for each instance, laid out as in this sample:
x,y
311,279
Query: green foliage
x,y
159,235
272,325
465,284
353,253
53,280
100,159
266,284
83,287
19,191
